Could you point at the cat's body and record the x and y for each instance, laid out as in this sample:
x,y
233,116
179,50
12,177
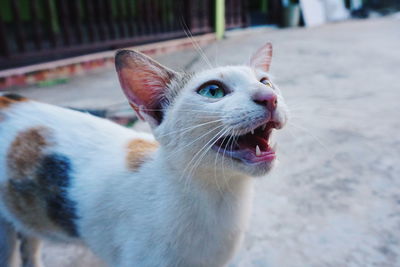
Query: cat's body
x,y
69,176
110,217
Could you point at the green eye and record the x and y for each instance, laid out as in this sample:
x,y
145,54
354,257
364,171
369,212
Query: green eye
x,y
212,91
266,82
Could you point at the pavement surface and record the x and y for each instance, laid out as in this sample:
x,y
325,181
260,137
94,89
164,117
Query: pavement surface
x,y
334,199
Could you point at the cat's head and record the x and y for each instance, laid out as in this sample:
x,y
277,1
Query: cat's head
x,y
218,119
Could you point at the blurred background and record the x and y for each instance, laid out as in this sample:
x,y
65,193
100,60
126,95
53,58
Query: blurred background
x,y
334,198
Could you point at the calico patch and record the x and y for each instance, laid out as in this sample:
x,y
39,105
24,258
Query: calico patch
x,y
9,99
38,181
139,151
54,179
26,151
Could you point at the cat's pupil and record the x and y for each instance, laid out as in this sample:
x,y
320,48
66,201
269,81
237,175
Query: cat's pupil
x,y
212,91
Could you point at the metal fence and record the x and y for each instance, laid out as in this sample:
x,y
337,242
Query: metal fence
x,y
236,13
33,31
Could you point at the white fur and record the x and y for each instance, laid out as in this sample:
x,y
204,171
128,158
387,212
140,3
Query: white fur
x,y
182,207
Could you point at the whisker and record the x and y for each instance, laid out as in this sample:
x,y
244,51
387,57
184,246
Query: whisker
x,y
313,136
195,44
216,137
190,128
198,161
223,165
195,110
197,139
216,157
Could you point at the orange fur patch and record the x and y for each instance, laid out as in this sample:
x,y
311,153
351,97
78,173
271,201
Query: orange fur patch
x,y
22,194
6,101
139,151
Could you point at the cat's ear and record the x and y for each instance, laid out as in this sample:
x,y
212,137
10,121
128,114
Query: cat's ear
x,y
144,82
261,59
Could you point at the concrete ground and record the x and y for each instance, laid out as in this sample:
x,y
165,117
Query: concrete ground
x,y
334,199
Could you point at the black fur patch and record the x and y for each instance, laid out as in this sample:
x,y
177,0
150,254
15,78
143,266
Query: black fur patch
x,y
54,178
14,97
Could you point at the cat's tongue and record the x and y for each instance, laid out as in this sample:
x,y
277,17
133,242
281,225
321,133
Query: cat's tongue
x,y
253,149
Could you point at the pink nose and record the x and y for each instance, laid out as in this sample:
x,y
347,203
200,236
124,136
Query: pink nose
x,y
267,99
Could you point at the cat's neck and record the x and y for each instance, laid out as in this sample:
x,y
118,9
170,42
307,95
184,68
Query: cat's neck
x,y
212,210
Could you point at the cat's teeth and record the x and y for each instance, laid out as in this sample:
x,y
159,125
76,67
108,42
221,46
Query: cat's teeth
x,y
264,126
252,131
258,151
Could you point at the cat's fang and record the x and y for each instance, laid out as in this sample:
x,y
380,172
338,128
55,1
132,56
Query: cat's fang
x,y
263,127
252,131
258,151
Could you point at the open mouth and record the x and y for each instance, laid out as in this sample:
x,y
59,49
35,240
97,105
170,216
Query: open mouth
x,y
250,148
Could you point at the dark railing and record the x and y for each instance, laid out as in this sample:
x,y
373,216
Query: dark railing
x,y
41,30
236,14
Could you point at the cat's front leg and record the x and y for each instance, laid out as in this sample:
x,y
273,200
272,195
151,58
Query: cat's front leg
x,y
31,251
8,245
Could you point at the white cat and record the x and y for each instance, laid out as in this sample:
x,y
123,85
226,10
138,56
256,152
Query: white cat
x,y
182,200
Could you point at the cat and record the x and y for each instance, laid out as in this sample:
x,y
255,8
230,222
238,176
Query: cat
x,y
180,198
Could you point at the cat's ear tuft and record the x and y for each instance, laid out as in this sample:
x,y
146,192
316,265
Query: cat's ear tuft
x,y
262,58
144,82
